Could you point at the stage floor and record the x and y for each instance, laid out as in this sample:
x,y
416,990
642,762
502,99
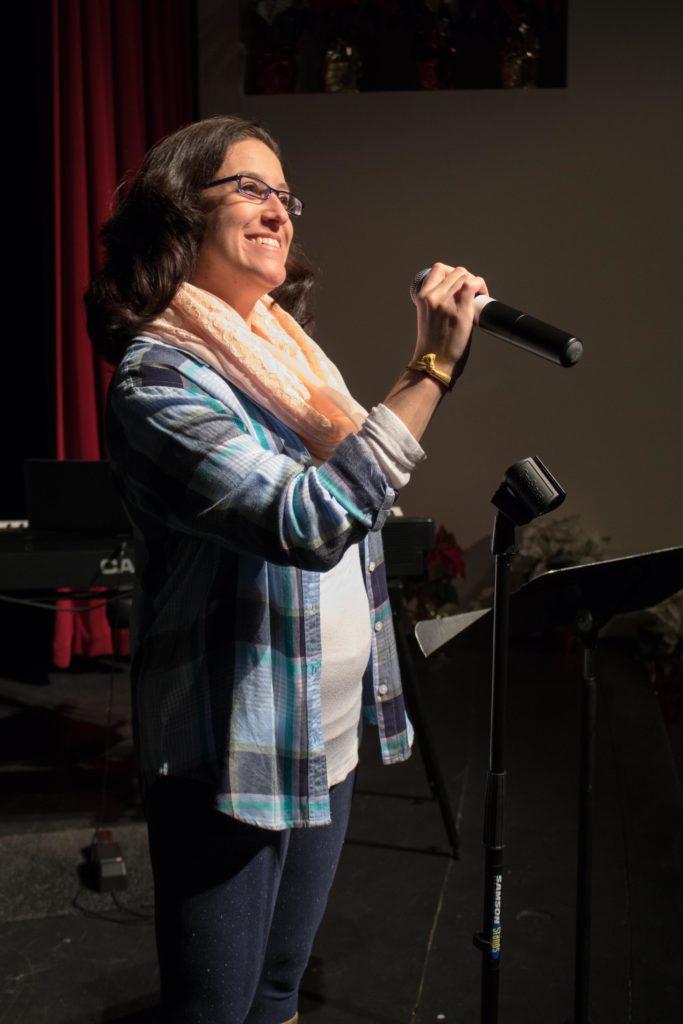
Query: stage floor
x,y
395,946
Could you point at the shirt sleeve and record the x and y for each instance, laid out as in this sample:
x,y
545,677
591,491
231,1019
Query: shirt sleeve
x,y
190,461
392,444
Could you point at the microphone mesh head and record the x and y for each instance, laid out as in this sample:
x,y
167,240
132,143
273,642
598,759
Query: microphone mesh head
x,y
417,282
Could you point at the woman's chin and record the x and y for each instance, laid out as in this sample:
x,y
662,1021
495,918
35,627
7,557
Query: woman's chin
x,y
274,278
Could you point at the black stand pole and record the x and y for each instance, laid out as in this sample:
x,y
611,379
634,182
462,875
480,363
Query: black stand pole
x,y
588,635
489,939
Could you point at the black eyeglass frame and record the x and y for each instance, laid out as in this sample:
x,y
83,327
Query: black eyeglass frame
x,y
253,177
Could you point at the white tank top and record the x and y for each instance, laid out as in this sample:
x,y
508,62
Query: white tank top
x,y
345,638
344,611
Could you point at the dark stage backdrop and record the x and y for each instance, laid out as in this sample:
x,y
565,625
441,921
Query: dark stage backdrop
x,y
123,74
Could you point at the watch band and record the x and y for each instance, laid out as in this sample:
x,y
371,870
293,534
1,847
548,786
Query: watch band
x,y
427,363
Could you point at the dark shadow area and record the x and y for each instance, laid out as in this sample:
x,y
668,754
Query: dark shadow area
x,y
398,927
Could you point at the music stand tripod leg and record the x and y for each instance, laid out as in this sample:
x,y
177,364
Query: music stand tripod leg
x,y
410,680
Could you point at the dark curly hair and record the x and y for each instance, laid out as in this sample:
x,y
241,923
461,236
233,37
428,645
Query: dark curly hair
x,y
152,239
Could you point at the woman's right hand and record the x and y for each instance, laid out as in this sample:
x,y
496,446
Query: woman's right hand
x,y
445,315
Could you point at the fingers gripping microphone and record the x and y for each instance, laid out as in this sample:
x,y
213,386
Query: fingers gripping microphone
x,y
508,324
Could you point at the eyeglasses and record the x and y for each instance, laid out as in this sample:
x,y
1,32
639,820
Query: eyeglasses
x,y
255,188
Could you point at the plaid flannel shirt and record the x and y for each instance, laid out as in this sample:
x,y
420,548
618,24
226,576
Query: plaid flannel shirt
x,y
233,524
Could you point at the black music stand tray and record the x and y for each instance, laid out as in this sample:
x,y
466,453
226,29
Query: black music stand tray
x,y
586,598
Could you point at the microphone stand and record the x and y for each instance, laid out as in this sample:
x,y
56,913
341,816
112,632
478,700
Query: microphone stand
x,y
489,939
527,492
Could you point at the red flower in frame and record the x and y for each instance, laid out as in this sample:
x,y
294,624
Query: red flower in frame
x,y
446,558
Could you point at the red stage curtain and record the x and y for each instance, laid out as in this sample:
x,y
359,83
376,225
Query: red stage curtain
x,y
124,75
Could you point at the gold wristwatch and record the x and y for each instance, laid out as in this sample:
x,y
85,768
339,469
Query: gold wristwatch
x,y
427,363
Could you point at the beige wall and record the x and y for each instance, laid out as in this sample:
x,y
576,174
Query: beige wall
x,y
567,201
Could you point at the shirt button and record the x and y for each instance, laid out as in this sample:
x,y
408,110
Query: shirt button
x,y
382,689
378,627
372,566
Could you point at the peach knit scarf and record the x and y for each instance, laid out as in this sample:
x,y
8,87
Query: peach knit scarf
x,y
276,363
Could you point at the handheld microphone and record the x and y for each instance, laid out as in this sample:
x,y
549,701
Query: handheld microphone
x,y
520,329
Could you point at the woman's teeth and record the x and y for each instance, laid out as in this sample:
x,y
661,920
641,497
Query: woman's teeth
x,y
272,243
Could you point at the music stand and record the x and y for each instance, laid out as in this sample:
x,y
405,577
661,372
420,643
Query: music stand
x,y
585,598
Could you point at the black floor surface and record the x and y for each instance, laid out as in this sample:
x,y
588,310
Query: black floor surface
x,y
395,946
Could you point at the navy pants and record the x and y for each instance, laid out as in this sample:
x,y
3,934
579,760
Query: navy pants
x,y
237,907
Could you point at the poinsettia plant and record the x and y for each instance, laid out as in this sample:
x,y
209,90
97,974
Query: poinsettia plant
x,y
438,594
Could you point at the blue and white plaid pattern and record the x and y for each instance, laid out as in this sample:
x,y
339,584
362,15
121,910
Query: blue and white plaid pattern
x,y
233,524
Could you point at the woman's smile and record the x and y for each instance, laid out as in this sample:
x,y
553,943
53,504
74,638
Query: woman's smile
x,y
268,243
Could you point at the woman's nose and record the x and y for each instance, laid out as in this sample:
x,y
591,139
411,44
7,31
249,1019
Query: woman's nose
x,y
272,207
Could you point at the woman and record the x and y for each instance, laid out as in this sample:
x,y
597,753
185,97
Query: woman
x,y
257,487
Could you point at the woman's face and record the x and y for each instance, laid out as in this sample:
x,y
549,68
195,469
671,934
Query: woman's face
x,y
231,263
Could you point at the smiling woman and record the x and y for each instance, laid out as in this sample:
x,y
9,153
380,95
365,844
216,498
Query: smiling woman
x,y
233,262
152,242
257,487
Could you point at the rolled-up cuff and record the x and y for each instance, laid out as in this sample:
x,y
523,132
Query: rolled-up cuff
x,y
392,444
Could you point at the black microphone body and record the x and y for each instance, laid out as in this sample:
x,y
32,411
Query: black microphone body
x,y
517,328
527,332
